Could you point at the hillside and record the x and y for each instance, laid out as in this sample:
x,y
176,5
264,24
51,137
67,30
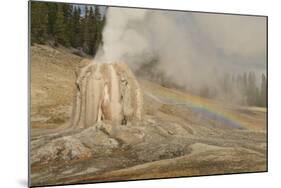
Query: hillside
x,y
180,134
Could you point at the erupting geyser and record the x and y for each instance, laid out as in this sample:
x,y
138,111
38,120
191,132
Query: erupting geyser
x,y
108,93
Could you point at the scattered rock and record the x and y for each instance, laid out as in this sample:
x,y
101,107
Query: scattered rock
x,y
65,148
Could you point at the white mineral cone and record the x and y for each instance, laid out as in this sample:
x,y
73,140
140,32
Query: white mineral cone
x,y
106,92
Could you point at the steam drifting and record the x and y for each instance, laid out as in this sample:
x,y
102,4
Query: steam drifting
x,y
190,49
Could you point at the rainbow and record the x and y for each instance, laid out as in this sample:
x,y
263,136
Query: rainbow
x,y
207,108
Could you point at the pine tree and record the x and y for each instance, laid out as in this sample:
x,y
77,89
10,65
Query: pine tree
x,y
39,21
92,31
245,83
98,31
263,91
64,24
252,91
52,15
226,83
85,31
60,28
67,12
239,83
76,27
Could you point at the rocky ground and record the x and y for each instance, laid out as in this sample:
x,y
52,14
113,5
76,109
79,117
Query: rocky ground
x,y
173,139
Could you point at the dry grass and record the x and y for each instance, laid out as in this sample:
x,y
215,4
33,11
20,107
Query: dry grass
x,y
177,140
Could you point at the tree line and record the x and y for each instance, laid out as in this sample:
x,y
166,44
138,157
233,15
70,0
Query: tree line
x,y
244,88
66,25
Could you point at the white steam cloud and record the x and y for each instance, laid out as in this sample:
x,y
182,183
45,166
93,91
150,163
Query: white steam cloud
x,y
190,48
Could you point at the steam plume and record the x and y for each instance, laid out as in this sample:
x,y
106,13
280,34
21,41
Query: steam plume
x,y
186,48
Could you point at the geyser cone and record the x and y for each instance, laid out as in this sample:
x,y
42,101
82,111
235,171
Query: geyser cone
x,y
106,92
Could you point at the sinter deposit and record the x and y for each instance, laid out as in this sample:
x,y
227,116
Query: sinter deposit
x,y
108,93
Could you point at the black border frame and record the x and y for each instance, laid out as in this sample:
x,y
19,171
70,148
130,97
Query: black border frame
x,y
113,181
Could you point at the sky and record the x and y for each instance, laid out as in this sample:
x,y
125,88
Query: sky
x,y
82,7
